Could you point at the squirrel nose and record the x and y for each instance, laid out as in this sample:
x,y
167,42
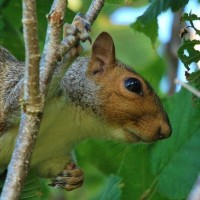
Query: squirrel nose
x,y
164,131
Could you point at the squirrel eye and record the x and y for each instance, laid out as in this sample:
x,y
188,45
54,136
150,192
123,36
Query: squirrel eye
x,y
133,85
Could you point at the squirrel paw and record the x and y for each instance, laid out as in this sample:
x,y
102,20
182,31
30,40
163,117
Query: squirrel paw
x,y
70,178
80,26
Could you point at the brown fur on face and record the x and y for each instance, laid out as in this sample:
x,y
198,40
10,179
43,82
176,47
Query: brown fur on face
x,y
141,116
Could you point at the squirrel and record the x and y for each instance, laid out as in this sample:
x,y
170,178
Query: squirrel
x,y
105,97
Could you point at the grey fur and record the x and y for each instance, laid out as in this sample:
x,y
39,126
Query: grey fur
x,y
79,89
11,86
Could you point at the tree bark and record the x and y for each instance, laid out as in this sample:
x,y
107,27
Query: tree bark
x,y
50,54
31,107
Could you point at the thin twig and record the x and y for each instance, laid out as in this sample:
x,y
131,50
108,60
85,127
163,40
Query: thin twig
x,y
94,10
188,87
91,15
29,126
50,54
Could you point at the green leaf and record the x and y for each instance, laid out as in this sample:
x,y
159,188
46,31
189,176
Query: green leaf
x,y
147,23
112,189
11,31
194,79
189,17
187,52
184,160
136,172
176,161
100,152
34,188
176,5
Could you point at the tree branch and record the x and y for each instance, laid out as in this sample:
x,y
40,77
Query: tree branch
x,y
94,10
31,108
50,54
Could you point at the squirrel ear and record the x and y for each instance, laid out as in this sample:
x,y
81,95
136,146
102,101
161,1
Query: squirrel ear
x,y
103,49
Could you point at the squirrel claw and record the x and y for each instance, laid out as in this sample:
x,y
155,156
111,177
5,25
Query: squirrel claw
x,y
80,26
83,27
69,179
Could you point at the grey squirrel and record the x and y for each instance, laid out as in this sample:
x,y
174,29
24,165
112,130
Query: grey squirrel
x,y
102,90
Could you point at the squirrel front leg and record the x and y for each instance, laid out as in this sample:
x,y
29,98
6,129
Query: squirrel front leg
x,y
70,178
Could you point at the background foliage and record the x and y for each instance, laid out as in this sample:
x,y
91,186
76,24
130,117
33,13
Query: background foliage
x,y
165,170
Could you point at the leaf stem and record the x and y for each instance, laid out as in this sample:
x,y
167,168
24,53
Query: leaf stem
x,y
188,87
150,191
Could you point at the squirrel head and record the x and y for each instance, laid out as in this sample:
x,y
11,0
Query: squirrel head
x,y
127,100
117,94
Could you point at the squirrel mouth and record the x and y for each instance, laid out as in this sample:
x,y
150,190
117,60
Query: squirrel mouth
x,y
131,136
